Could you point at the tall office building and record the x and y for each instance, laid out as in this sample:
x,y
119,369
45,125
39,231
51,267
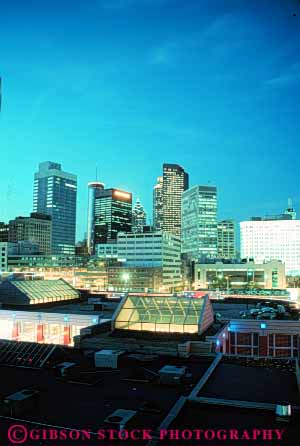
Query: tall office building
x,y
113,214
226,240
3,232
272,238
158,204
139,218
36,229
55,194
94,187
175,182
199,222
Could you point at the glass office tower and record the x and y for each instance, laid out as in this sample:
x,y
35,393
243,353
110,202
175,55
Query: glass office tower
x,y
175,182
113,214
55,194
199,222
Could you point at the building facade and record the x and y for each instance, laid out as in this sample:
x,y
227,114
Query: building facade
x,y
175,182
259,338
139,217
107,250
226,240
199,222
37,229
272,238
44,327
55,194
158,205
113,214
156,249
270,275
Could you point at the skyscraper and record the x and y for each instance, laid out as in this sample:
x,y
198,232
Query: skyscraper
x,y
139,218
158,204
226,240
199,222
175,182
93,187
113,214
55,194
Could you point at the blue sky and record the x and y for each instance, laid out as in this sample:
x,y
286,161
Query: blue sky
x,y
212,85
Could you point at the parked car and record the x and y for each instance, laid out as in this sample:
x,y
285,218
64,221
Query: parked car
x,y
265,315
254,312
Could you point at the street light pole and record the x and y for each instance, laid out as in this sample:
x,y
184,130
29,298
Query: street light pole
x,y
227,279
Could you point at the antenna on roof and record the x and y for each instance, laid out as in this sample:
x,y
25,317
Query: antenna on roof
x,y
96,172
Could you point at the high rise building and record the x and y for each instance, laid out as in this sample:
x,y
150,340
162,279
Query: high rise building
x,y
113,214
93,188
158,204
3,232
175,182
199,222
272,238
55,194
226,240
36,229
139,218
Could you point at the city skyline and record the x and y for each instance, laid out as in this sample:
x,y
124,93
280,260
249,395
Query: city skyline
x,y
231,124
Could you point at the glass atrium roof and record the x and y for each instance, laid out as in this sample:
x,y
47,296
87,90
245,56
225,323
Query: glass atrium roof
x,y
46,289
164,314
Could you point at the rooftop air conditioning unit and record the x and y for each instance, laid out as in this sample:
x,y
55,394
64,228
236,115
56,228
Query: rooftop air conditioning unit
x,y
21,402
119,418
108,358
171,375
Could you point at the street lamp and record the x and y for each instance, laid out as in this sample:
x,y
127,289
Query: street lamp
x,y
125,277
227,279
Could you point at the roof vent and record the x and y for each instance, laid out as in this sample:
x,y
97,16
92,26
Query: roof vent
x,y
120,418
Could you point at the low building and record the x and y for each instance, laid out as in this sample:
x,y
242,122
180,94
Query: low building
x,y
44,327
31,292
260,338
270,275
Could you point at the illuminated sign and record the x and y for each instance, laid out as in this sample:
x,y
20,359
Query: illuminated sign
x,y
120,194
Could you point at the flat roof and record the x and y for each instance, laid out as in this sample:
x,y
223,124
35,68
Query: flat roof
x,y
268,384
82,406
213,417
